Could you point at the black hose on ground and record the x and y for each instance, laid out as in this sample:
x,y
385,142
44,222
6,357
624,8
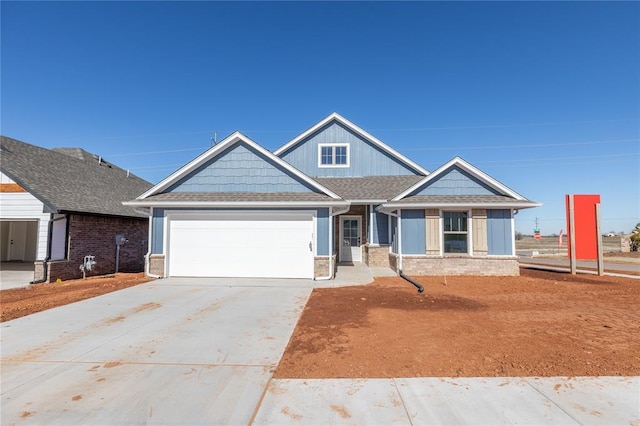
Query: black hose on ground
x,y
415,283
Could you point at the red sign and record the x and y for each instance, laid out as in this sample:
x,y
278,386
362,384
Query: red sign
x,y
536,236
584,217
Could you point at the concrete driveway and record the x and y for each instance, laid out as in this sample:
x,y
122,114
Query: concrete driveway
x,y
15,274
171,351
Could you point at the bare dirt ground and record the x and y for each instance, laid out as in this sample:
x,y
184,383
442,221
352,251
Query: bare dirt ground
x,y
538,324
19,302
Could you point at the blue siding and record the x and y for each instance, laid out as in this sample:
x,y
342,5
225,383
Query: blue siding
x,y
413,232
380,224
394,234
240,169
157,231
456,181
322,232
499,237
322,228
365,159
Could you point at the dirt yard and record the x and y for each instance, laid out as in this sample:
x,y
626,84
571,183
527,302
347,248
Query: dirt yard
x,y
19,302
538,324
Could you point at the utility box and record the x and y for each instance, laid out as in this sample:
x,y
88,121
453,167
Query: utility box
x,y
120,239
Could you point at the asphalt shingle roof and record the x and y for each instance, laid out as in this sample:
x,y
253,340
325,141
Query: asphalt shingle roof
x,y
70,179
461,199
224,197
370,187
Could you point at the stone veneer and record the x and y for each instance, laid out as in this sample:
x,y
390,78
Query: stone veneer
x,y
321,267
438,265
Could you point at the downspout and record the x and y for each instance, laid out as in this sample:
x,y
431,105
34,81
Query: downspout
x,y
415,283
45,269
147,257
396,215
331,242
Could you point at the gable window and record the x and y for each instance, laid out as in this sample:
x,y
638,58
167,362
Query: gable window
x,y
333,155
455,232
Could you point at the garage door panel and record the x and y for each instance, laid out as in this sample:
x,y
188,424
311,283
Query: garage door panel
x,y
247,247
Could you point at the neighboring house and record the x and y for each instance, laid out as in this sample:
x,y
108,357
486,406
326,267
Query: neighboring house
x,y
333,194
59,205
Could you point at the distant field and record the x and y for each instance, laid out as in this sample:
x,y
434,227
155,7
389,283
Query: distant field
x,y
549,245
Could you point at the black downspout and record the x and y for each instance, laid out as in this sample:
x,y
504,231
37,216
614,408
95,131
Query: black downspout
x,y
415,283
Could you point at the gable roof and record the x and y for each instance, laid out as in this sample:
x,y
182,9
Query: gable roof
x,y
505,197
335,117
70,183
221,147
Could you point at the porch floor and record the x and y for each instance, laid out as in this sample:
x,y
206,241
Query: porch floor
x,y
358,273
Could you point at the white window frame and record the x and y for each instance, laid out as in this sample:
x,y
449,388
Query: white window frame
x,y
333,155
469,232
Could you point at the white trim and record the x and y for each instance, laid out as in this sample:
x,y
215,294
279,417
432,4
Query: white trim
x,y
366,135
333,156
513,234
469,231
212,152
433,205
168,204
457,161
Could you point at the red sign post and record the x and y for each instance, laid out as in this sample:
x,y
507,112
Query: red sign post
x,y
583,229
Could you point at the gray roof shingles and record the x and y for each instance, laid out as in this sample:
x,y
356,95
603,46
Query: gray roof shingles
x,y
460,199
370,187
70,179
199,197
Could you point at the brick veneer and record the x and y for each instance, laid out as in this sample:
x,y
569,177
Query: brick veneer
x,y
321,267
377,256
436,265
156,264
95,236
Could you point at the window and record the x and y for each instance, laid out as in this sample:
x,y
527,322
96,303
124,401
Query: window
x,y
455,232
333,155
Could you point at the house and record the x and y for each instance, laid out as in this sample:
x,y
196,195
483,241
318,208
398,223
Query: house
x,y
334,194
59,205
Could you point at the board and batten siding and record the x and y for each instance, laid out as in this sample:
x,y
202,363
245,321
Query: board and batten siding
x,y
380,228
455,181
158,220
479,232
499,234
22,206
413,232
365,158
240,169
432,227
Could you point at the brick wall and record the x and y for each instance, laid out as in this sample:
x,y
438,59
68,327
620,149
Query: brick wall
x,y
425,265
95,235
156,264
321,266
377,256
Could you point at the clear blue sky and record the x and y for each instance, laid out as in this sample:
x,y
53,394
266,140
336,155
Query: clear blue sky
x,y
544,97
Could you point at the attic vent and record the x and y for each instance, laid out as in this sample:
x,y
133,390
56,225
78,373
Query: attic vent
x,y
101,162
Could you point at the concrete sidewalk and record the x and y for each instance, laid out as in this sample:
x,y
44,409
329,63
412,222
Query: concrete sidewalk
x,y
453,401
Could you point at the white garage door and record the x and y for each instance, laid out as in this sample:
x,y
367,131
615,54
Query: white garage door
x,y
241,244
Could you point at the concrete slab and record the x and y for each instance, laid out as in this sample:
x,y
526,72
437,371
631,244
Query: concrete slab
x,y
162,352
331,402
478,401
594,400
15,274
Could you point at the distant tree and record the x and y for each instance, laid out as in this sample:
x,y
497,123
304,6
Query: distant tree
x,y
518,236
635,238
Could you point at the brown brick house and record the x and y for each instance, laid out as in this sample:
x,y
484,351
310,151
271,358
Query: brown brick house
x,y
59,205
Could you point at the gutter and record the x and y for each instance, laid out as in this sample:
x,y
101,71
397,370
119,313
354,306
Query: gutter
x,y
396,215
169,204
48,256
331,245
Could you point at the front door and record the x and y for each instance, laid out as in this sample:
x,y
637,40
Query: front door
x,y
350,240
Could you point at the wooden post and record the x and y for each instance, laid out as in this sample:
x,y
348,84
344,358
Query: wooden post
x,y
599,242
572,236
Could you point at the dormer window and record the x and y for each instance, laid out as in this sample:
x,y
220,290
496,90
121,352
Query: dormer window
x,y
333,155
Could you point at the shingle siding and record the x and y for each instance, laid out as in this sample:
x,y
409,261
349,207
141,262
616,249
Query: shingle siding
x,y
365,158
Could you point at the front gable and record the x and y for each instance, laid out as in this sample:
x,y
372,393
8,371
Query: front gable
x,y
455,181
335,147
240,168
